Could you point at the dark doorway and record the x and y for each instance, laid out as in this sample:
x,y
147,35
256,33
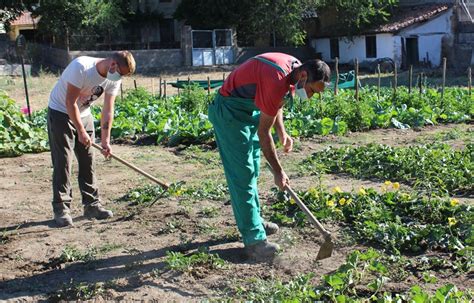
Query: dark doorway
x,y
412,51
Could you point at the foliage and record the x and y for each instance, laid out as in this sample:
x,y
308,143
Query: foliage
x,y
341,113
74,291
173,120
436,167
355,16
189,264
394,220
360,279
63,18
17,134
282,17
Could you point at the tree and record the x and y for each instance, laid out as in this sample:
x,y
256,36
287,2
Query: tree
x,y
282,19
85,18
355,16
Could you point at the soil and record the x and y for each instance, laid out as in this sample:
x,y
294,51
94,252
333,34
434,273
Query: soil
x,y
134,268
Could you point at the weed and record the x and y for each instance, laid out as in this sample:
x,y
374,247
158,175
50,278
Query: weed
x,y
210,211
77,291
188,264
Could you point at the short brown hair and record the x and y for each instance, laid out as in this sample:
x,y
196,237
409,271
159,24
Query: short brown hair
x,y
125,59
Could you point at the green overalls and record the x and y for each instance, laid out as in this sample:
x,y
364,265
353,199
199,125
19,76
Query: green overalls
x,y
235,122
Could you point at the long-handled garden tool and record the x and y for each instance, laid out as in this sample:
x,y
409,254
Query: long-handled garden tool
x,y
162,184
328,246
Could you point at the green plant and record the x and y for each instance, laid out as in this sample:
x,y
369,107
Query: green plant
x,y
77,291
194,262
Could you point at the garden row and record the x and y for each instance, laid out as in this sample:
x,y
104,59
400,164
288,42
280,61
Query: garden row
x,y
182,119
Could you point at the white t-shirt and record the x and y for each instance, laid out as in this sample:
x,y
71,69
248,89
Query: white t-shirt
x,y
83,74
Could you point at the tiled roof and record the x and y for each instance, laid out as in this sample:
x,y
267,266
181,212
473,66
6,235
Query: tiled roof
x,y
407,16
401,18
25,19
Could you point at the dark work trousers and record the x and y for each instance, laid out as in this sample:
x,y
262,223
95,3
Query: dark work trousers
x,y
63,141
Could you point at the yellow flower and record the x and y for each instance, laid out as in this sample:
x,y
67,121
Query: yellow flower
x,y
362,191
337,189
178,193
313,192
396,185
452,221
454,202
292,201
330,203
388,183
349,201
342,201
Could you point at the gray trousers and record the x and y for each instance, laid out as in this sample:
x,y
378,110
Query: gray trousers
x,y
63,141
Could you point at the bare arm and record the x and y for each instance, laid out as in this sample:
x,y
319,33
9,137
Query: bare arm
x,y
285,139
106,120
72,94
268,147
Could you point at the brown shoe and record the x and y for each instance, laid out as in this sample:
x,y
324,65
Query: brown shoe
x,y
63,218
262,251
270,228
97,211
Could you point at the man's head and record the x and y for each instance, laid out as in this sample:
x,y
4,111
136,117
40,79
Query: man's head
x,y
311,77
121,62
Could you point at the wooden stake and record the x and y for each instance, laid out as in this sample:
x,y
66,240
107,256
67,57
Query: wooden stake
x,y
177,84
223,77
469,80
135,83
153,87
337,76
395,79
421,83
160,88
378,81
356,82
208,86
444,79
121,92
410,79
164,89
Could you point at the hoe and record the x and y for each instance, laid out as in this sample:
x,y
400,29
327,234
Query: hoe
x,y
327,247
162,184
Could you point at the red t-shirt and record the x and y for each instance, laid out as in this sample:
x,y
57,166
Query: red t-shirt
x,y
261,81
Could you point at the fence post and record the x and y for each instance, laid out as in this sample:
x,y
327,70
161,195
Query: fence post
x,y
356,82
164,89
121,92
337,76
421,83
223,77
395,79
177,80
135,83
469,80
444,80
410,78
378,81
160,88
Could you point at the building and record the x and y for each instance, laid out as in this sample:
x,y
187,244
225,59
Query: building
x,y
414,35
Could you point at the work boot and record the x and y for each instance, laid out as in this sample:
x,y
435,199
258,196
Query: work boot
x,y
97,211
262,251
270,228
63,218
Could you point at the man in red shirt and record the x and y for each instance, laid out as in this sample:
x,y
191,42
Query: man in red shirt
x,y
245,110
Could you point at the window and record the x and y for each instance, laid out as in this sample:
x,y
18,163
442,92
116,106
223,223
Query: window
x,y
371,46
334,45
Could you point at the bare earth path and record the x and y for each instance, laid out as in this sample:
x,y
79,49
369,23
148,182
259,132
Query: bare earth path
x,y
135,242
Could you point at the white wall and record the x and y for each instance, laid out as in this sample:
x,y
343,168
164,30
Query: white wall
x,y
322,46
429,36
355,48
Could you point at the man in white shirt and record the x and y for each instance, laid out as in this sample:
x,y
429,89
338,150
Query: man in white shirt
x,y
71,128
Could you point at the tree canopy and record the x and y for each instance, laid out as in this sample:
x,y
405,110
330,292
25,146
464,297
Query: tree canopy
x,y
256,19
